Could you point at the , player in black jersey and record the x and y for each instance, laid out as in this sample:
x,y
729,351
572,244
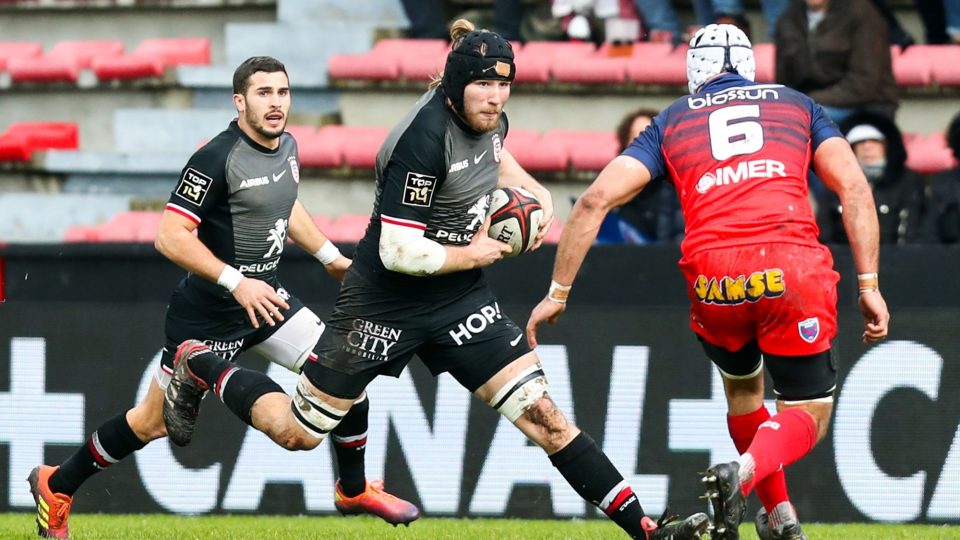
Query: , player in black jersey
x,y
416,288
227,222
